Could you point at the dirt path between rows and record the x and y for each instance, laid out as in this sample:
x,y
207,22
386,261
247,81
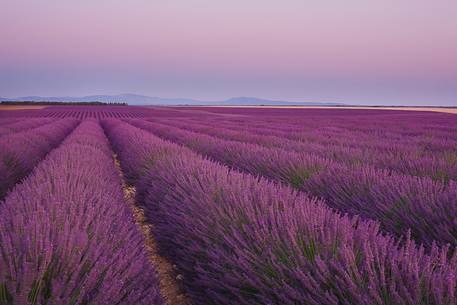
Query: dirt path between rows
x,y
171,287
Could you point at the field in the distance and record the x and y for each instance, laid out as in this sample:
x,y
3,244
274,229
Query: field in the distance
x,y
432,109
222,205
20,107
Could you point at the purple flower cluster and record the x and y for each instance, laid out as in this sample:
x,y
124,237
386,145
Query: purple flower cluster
x,y
7,121
399,154
244,240
85,112
68,237
23,125
21,151
401,203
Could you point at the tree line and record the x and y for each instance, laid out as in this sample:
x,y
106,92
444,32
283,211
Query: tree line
x,y
94,103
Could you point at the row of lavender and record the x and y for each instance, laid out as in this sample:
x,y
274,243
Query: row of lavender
x,y
349,130
244,240
7,121
66,234
80,114
25,140
377,121
434,155
22,125
21,151
92,112
401,203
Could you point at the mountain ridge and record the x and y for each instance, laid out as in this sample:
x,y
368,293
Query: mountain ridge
x,y
143,100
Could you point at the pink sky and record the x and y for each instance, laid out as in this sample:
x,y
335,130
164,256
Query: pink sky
x,y
355,51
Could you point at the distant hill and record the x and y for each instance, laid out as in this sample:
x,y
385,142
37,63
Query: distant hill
x,y
253,101
135,99
60,103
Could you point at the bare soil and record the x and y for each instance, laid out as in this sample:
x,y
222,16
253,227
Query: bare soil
x,y
170,281
20,107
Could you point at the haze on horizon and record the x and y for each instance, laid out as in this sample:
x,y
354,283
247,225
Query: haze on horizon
x,y
385,52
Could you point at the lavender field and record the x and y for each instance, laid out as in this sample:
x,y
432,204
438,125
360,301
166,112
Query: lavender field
x,y
215,205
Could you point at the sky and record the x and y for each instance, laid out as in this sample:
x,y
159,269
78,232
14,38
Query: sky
x,y
389,52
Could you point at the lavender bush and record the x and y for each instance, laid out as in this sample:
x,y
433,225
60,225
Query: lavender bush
x,y
400,203
244,240
8,121
403,157
68,237
83,112
20,152
23,125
